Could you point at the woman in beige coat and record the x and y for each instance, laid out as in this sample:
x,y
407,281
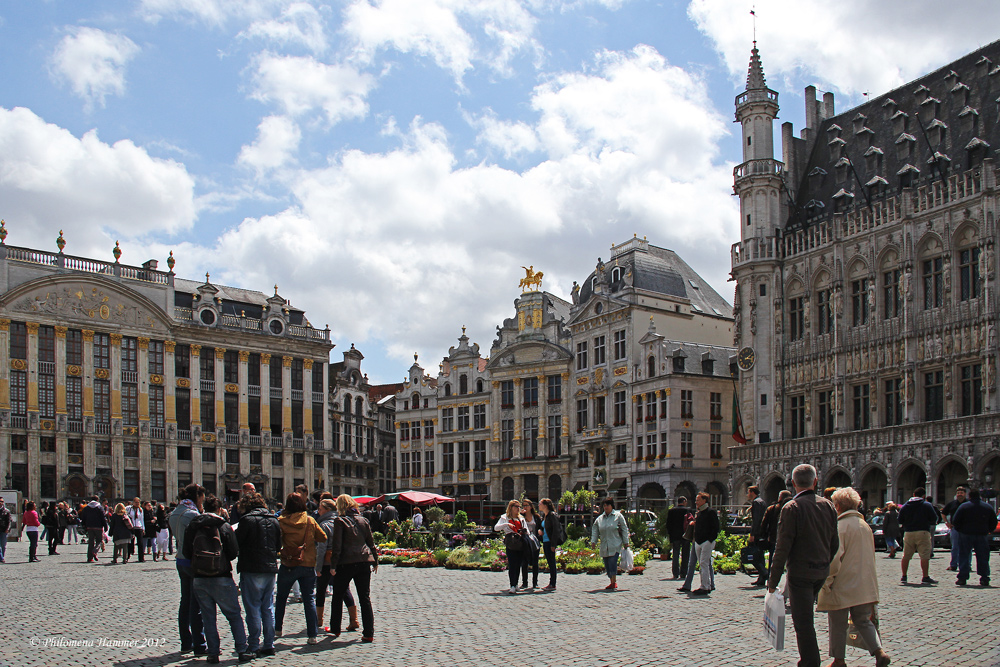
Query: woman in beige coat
x,y
852,587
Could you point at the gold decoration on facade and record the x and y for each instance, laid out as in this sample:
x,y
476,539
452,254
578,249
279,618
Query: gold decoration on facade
x,y
583,380
307,364
183,383
621,370
244,356
536,318
32,328
143,342
19,364
48,425
463,477
531,279
169,346
60,332
520,320
74,371
265,358
4,325
130,430
208,437
286,361
155,379
220,353
196,350
88,336
232,388
116,339
102,373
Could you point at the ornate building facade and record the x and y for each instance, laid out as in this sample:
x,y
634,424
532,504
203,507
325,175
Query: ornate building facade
x,y
866,298
128,381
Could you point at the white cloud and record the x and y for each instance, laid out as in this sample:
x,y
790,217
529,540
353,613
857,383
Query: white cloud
x,y
93,63
301,84
854,46
50,179
299,24
277,140
415,245
434,29
212,12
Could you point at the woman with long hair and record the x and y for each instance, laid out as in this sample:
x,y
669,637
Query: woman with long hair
x,y
532,524
549,528
512,527
352,558
121,533
31,525
299,535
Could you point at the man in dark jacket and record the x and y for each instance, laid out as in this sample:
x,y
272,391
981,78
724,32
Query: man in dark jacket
x,y
757,539
974,520
95,523
680,548
259,537
213,580
706,529
917,519
948,512
807,542
769,527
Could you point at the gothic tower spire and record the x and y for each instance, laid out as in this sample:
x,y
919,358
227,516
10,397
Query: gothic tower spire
x,y
755,73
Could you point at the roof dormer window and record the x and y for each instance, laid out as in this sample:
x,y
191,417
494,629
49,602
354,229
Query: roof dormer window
x,y
842,169
616,274
836,148
900,121
905,144
929,109
842,200
969,119
908,176
889,107
859,122
936,131
961,93
873,159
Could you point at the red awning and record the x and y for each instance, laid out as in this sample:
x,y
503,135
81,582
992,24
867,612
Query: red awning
x,y
416,498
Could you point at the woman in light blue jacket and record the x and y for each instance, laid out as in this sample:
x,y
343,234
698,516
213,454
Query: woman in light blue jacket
x,y
611,529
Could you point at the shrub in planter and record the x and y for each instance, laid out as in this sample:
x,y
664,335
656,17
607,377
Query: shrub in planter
x,y
637,570
573,569
460,521
434,514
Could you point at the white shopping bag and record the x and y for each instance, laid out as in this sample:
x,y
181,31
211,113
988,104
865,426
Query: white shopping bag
x,y
774,620
628,560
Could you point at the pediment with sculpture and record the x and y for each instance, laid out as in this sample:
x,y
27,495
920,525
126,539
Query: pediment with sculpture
x,y
87,301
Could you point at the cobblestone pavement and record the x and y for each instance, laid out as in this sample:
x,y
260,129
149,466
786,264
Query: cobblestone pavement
x,y
439,617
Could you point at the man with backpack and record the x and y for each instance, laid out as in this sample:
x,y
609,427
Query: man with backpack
x,y
210,544
553,535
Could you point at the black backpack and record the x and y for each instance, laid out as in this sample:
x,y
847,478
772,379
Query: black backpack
x,y
560,536
207,558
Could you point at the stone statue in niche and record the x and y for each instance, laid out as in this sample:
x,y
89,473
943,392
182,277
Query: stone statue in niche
x,y
938,347
904,285
575,293
946,270
599,271
909,387
753,317
948,343
920,350
947,383
991,338
871,297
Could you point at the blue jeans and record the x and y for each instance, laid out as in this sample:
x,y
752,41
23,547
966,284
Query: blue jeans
x,y
189,614
32,544
3,547
258,604
220,591
955,539
306,578
611,565
980,544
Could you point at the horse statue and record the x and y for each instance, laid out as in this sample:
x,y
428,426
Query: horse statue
x,y
531,278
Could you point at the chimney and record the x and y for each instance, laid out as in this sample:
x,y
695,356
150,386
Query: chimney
x,y
150,265
828,106
810,95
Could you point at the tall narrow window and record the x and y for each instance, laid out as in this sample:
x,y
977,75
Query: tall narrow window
x,y
687,404
824,406
893,306
933,283
102,401
554,435
824,313
934,396
581,414
102,350
18,340
155,356
715,404
972,390
798,416
507,394
554,383
464,461
506,439
46,395
130,404
156,409
130,355
581,355
530,389
182,361
796,318
859,302
479,455
600,411
463,418
599,350
74,398
74,347
862,406
530,437
894,402
968,272
619,408
19,393
618,338
448,457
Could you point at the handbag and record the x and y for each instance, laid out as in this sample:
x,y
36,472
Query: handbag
x,y
774,620
854,638
513,542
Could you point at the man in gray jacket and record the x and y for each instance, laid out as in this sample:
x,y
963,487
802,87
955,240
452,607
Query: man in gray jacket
x,y
189,613
807,542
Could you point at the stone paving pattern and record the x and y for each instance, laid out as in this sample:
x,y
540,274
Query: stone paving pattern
x,y
448,617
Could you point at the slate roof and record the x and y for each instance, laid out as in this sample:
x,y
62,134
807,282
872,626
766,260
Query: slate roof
x,y
694,353
662,271
959,101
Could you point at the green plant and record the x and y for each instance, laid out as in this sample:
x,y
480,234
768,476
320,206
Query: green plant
x,y
434,514
640,534
730,545
575,532
586,498
378,538
436,537
441,555
460,521
566,498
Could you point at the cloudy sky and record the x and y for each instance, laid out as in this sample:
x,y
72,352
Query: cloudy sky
x,y
391,164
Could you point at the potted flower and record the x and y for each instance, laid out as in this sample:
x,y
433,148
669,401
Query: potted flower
x,y
566,500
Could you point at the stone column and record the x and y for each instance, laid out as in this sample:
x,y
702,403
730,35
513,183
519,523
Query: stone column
x,y
220,389
62,444
265,396
142,366
286,394
542,412
307,427
244,392
117,442
34,472
518,425
87,373
196,392
4,369
170,391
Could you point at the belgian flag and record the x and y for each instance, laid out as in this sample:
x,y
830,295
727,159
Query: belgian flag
x,y
738,434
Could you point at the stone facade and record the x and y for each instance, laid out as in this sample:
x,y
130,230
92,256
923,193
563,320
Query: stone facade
x,y
866,287
128,381
565,381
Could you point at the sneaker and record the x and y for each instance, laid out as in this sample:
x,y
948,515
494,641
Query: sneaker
x,y
265,652
609,587
522,587
248,656
685,589
549,588
928,580
902,579
312,640
212,659
512,590
701,591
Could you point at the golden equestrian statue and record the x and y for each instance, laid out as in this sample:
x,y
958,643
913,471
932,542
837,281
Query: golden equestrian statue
x,y
531,278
